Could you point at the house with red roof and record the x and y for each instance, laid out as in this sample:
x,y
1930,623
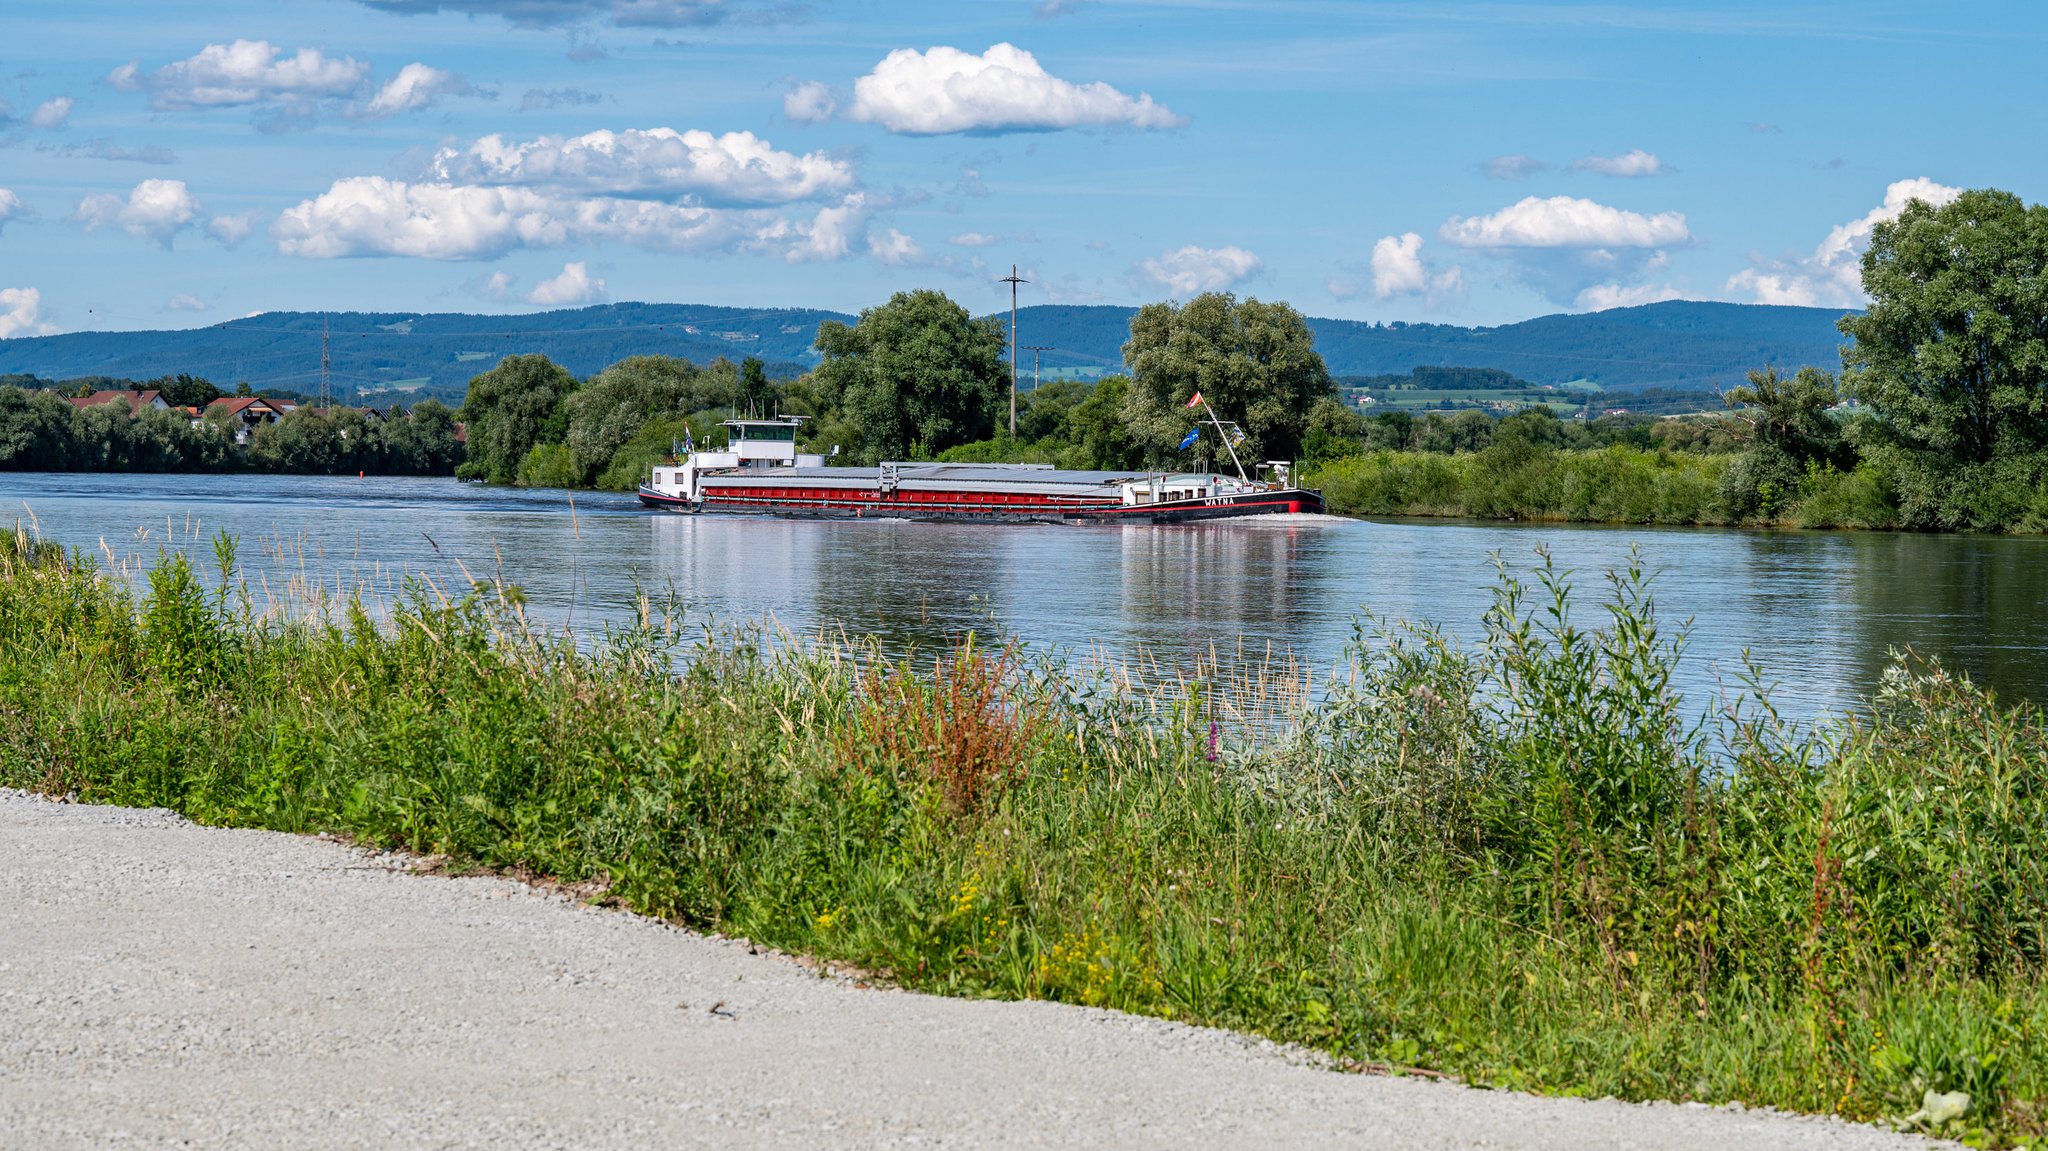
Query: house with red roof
x,y
137,401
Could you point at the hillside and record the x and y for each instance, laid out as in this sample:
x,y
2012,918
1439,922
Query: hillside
x,y
1679,344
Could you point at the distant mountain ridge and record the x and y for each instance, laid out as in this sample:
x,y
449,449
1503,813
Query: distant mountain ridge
x,y
1676,344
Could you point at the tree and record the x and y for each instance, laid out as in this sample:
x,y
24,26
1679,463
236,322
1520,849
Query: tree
x,y
756,394
508,410
183,390
1255,363
610,410
35,431
915,375
422,442
1952,355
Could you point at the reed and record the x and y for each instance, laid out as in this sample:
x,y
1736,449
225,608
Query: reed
x,y
1526,862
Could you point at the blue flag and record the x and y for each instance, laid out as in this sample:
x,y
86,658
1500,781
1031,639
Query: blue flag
x,y
1190,439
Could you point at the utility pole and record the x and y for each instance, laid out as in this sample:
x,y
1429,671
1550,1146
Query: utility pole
x,y
1013,280
1035,350
324,402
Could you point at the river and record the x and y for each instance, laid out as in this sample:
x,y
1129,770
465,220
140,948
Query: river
x,y
1819,611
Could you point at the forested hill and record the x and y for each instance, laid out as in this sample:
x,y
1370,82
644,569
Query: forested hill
x,y
1679,344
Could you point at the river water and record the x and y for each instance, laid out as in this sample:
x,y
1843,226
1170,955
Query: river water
x,y
1819,611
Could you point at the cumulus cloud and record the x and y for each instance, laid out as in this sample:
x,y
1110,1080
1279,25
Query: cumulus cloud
x,y
1397,266
1600,297
895,249
11,207
415,87
1565,222
1515,167
51,114
1193,270
155,210
293,87
945,91
575,285
623,13
1632,164
1564,245
243,73
1833,275
973,240
21,313
1047,9
184,302
375,216
810,103
736,168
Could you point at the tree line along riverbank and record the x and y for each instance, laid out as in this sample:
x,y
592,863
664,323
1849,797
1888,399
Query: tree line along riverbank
x,y
1937,420
1527,863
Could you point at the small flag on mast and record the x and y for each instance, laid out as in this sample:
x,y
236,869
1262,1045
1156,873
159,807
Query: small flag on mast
x,y
1190,438
1195,401
689,445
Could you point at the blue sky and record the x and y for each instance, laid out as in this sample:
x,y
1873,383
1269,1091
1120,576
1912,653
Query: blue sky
x,y
178,164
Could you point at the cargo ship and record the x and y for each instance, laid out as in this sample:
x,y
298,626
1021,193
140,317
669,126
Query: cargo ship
x,y
762,472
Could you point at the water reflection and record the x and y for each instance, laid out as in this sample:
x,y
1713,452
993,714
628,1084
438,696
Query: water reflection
x,y
1819,611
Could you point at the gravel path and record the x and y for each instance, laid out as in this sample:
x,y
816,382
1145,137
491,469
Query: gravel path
x,y
166,985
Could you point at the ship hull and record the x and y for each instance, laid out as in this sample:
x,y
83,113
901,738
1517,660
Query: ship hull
x,y
847,504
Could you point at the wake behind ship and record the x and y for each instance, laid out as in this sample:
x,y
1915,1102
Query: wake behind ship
x,y
761,472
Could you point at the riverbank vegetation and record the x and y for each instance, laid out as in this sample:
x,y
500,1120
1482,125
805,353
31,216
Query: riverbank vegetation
x,y
43,430
1528,864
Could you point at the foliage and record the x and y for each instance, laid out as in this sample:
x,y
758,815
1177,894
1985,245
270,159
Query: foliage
x,y
609,411
1254,363
1529,864
1952,355
914,375
509,409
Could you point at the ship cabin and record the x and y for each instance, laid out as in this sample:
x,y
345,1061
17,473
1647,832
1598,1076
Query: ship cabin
x,y
769,443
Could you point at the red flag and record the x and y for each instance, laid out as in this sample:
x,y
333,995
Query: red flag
x,y
1195,401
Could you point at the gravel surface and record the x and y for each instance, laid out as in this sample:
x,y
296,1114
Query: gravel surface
x,y
166,985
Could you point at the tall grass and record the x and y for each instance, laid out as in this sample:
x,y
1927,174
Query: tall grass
x,y
1526,863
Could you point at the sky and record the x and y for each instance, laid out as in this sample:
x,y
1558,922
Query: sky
x,y
177,164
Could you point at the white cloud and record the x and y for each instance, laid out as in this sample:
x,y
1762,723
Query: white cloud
x,y
1565,222
21,313
574,286
736,168
1564,245
1397,266
1600,297
242,73
895,249
184,302
11,207
375,216
973,240
1629,165
1047,9
233,229
1515,167
155,210
1833,275
810,103
1191,270
1004,89
51,114
415,87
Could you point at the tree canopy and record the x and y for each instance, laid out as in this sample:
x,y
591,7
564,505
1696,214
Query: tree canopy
x,y
1254,362
508,410
1952,354
915,376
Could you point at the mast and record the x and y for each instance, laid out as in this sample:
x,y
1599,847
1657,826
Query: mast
x,y
1013,280
1035,350
1223,434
